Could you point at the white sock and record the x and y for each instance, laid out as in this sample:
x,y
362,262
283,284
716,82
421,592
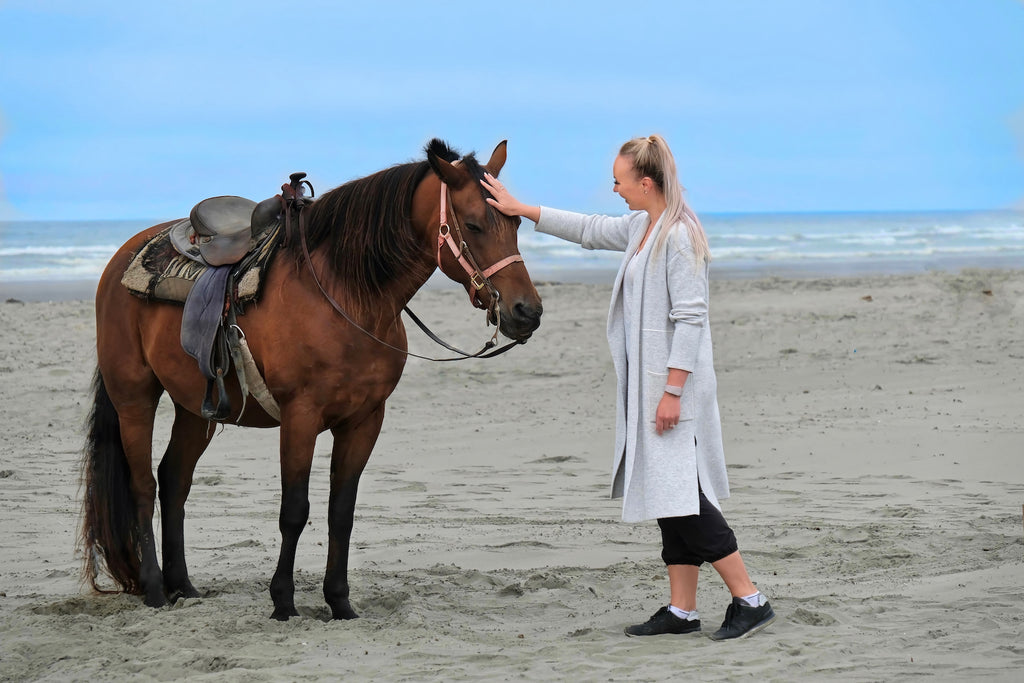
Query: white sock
x,y
683,614
755,600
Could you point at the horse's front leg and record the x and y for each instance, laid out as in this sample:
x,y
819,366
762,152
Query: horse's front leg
x,y
298,439
352,448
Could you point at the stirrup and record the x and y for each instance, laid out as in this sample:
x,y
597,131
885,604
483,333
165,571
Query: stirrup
x,y
223,408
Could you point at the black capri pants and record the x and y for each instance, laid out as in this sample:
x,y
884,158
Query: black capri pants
x,y
695,539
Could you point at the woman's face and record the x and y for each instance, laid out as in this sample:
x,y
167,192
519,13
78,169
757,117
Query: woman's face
x,y
627,184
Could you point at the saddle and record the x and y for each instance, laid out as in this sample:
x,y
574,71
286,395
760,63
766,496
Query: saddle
x,y
214,263
222,230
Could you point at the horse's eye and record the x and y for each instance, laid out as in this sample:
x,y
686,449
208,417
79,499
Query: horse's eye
x,y
473,227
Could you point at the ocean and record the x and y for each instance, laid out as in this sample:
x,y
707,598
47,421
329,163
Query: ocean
x,y
747,243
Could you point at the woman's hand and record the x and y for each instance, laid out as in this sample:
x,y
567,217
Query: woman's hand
x,y
668,413
504,202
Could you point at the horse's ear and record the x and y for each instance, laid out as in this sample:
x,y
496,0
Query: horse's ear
x,y
498,157
455,177
449,173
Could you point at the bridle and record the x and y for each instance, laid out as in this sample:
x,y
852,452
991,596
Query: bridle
x,y
478,279
294,202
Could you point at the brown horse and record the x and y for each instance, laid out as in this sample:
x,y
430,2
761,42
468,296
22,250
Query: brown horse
x,y
368,245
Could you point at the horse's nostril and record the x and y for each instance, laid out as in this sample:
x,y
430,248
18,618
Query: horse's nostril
x,y
526,311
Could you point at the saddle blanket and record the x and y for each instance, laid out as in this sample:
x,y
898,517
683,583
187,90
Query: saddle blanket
x,y
159,272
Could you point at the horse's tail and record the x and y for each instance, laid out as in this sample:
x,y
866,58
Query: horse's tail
x,y
110,531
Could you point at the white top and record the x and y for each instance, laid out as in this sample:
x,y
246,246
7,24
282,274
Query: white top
x,y
632,281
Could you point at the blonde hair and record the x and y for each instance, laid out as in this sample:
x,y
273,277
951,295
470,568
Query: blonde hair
x,y
653,159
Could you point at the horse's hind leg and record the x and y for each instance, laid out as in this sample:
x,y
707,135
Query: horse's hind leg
x,y
127,339
190,435
352,448
136,422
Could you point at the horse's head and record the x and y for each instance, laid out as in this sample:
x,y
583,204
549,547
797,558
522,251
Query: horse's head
x,y
478,246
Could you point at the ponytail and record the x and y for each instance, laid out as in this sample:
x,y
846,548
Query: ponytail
x,y
652,158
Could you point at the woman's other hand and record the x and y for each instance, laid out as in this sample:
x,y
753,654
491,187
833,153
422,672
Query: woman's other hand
x,y
668,413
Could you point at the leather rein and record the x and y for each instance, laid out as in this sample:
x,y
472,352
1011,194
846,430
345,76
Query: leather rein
x,y
293,200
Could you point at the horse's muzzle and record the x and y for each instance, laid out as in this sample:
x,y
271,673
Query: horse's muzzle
x,y
520,319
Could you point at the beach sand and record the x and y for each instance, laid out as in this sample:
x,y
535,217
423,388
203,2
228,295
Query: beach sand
x,y
874,430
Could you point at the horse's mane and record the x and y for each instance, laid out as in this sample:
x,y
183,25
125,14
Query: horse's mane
x,y
366,224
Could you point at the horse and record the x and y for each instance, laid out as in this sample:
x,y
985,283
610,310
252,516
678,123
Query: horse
x,y
328,338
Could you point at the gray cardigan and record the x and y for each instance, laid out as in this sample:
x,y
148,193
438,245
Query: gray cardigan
x,y
657,476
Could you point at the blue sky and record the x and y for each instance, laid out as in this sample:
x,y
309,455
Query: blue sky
x,y
138,110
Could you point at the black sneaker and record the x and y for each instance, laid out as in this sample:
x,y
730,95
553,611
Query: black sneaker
x,y
663,621
742,620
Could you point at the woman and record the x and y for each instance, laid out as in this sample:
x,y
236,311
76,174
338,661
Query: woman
x,y
669,462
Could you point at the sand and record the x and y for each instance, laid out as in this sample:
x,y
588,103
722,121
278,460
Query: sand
x,y
874,429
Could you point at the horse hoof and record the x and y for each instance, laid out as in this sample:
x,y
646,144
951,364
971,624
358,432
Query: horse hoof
x,y
346,613
184,593
157,600
284,614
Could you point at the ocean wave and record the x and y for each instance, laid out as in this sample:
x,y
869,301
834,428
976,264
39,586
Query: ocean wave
x,y
778,254
73,250
79,271
66,250
894,236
